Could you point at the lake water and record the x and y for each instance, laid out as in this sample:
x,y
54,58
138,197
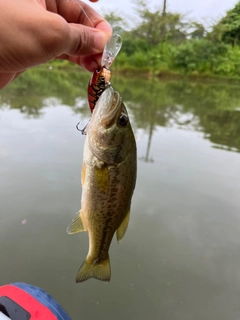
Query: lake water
x,y
180,258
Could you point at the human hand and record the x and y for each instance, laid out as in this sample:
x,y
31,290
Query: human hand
x,y
33,32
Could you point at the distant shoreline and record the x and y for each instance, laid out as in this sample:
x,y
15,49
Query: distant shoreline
x,y
157,74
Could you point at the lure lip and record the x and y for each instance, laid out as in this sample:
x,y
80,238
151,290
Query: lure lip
x,y
111,50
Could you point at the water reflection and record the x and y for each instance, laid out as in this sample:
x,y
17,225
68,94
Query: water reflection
x,y
30,92
180,256
207,107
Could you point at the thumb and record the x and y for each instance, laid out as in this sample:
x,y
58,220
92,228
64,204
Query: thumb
x,y
83,40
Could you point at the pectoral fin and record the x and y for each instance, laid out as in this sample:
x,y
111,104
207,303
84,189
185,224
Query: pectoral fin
x,y
123,227
76,225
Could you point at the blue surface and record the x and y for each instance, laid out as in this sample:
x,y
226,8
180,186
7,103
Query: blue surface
x,y
45,299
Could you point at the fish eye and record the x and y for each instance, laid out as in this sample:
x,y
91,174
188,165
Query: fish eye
x,y
123,120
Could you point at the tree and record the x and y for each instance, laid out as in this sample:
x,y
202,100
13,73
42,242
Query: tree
x,y
164,7
157,26
118,24
229,26
198,31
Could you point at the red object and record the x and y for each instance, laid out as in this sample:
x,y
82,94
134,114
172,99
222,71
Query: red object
x,y
97,84
26,301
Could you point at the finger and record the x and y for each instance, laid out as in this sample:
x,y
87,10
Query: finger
x,y
91,63
80,13
88,63
75,11
6,78
18,74
105,27
65,38
84,40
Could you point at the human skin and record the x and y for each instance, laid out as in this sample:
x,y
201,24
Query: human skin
x,y
33,32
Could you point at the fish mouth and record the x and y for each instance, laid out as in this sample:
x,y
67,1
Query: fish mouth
x,y
108,107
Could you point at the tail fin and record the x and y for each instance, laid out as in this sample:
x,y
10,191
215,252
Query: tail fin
x,y
100,271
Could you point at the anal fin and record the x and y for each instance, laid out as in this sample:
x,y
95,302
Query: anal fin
x,y
123,227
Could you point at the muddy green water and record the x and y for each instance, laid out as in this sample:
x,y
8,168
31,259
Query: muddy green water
x,y
180,258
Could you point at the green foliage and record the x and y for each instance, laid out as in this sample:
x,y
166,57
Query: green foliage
x,y
157,26
198,31
168,42
164,43
229,65
131,45
199,55
117,22
228,28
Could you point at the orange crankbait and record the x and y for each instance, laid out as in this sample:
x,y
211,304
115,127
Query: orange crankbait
x,y
97,84
100,79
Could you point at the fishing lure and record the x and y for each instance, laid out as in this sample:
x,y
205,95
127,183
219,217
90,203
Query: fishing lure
x,y
100,79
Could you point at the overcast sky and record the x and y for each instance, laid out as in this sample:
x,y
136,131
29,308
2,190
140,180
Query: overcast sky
x,y
197,9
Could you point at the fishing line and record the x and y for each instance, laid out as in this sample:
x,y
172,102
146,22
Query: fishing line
x,y
83,131
86,15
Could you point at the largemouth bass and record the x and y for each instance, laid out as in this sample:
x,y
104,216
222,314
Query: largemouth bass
x,y
108,182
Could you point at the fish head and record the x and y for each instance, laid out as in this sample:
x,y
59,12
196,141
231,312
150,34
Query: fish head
x,y
109,131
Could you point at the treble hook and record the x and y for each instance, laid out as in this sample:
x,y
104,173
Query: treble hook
x,y
83,131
